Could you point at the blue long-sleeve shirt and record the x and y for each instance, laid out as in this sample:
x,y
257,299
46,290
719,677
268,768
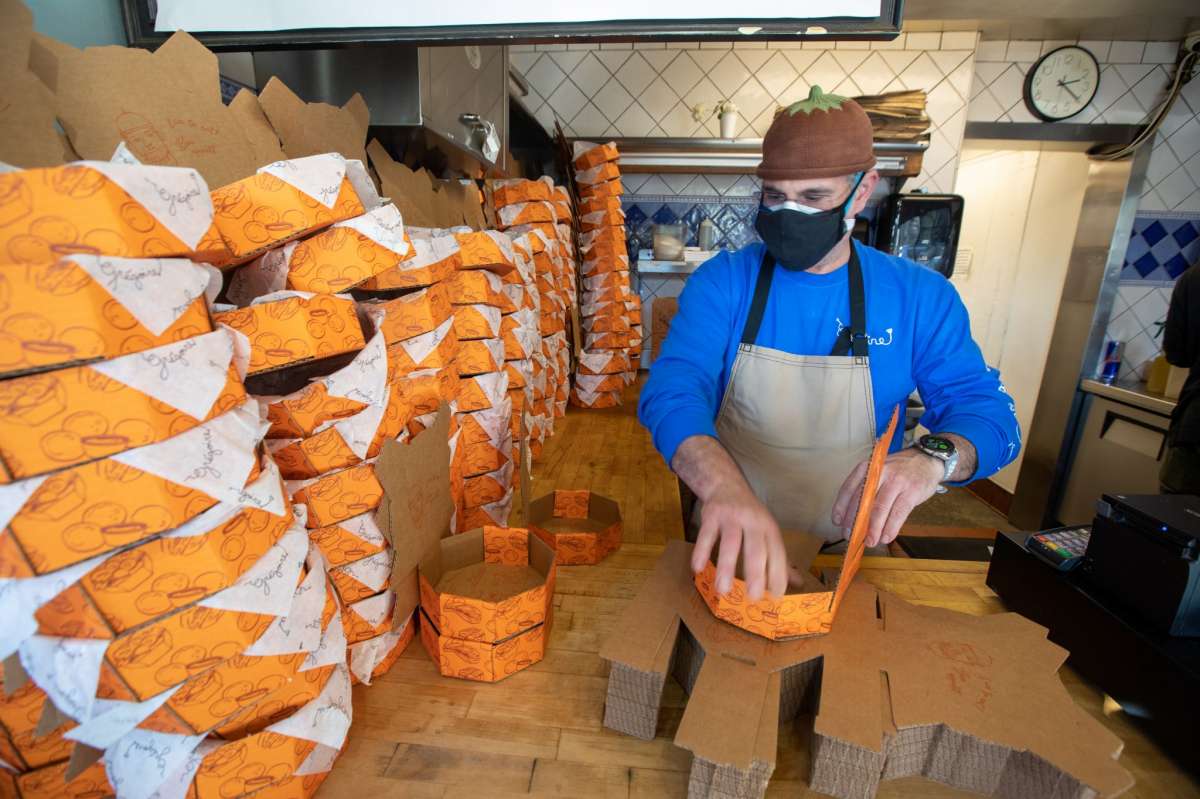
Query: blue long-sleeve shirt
x,y
919,338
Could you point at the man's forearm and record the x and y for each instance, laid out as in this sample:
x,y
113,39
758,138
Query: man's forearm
x,y
702,463
968,461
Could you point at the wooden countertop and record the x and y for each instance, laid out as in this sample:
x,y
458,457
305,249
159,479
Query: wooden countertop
x,y
540,732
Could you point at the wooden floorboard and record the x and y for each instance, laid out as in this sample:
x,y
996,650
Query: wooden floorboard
x,y
540,733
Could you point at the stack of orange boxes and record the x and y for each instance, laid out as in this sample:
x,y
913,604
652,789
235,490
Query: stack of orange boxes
x,y
522,335
483,452
153,565
610,310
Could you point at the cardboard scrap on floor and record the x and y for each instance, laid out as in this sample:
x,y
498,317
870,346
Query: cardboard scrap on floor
x,y
897,690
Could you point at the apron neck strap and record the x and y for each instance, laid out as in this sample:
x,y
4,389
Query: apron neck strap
x,y
851,341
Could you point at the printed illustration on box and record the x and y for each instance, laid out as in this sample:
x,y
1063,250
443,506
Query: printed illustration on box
x,y
810,606
972,702
580,526
486,598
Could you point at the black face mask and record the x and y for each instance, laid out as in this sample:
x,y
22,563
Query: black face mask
x,y
798,240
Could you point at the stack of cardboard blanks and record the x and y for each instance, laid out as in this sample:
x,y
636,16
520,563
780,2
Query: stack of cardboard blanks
x,y
610,311
154,565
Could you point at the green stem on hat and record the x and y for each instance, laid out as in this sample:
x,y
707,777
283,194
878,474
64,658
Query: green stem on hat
x,y
817,100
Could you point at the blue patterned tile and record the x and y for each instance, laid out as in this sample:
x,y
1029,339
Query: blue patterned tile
x,y
1154,233
1185,234
1160,247
1146,264
665,216
1176,266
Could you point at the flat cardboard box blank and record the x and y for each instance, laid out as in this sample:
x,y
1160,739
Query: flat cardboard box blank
x,y
897,690
27,131
313,128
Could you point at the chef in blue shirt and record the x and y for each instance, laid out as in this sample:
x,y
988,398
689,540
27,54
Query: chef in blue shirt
x,y
786,358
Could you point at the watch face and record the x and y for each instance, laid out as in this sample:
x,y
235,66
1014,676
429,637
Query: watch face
x,y
1062,83
936,444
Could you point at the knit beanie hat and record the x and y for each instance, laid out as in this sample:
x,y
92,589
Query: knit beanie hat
x,y
823,136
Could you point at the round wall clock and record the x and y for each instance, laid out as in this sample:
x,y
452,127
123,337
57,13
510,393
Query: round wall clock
x,y
1061,83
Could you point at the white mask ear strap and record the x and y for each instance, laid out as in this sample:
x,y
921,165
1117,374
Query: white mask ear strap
x,y
794,206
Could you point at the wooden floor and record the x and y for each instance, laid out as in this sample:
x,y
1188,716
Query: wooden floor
x,y
540,733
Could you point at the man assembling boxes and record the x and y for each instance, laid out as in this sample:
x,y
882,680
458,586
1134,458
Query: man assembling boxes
x,y
786,359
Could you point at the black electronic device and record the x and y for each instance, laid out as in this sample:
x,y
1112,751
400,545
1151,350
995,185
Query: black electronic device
x,y
1062,548
1144,553
922,228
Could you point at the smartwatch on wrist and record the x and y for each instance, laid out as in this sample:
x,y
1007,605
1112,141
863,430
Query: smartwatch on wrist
x,y
942,449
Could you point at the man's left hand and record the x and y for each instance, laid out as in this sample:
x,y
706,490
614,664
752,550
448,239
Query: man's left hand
x,y
909,478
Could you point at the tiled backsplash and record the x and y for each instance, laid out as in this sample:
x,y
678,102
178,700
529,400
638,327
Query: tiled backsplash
x,y
649,89
1133,79
1161,247
1139,311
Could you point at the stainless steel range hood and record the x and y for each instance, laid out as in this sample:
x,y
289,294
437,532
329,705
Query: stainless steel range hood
x,y
456,94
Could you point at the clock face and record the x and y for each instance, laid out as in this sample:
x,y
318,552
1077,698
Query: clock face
x,y
1062,83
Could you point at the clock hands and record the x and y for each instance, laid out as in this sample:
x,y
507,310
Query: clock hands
x,y
1064,85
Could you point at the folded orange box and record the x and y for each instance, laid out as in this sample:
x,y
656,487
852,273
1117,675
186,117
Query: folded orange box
x,y
85,307
353,539
481,457
362,578
609,188
487,249
595,383
516,346
336,259
102,208
410,315
480,356
287,200
482,391
526,214
485,426
581,527
608,234
277,705
589,155
21,712
594,399
606,324
512,191
249,765
428,388
488,488
489,514
369,617
52,782
288,328
607,280
611,341
52,420
338,496
476,321
87,510
484,595
373,657
434,260
477,287
552,324
593,204
516,376
599,220
434,350
618,262
600,173
301,413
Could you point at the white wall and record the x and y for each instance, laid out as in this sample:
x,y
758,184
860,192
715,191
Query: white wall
x,y
1022,206
81,23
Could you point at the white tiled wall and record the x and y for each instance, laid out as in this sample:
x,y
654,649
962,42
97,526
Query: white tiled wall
x,y
1139,311
1133,80
649,90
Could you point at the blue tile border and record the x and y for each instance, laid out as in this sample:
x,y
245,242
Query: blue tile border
x,y
1161,247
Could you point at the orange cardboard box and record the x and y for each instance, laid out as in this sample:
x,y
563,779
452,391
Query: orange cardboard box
x,y
99,309
600,173
553,323
581,527
487,249
479,356
480,660
485,489
562,210
435,259
434,350
591,205
486,425
20,716
277,705
97,507
103,208
598,220
484,456
595,264
336,259
362,578
624,310
353,539
517,347
338,496
526,214
51,782
482,391
369,617
489,514
516,375
487,585
288,328
595,383
476,321
606,324
410,315
373,657
599,236
811,609
284,201
589,155
611,341
606,280
52,420
477,287
609,188
594,399
428,388
513,191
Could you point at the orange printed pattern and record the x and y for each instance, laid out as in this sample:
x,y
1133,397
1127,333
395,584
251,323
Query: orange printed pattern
x,y
416,354
52,420
607,324
521,191
596,175
593,204
168,651
389,660
48,213
303,688
340,545
262,211
801,614
410,315
516,377
609,188
597,155
588,542
244,766
86,321
51,783
296,329
476,322
416,272
480,249
597,399
482,661
20,712
486,488
600,220
476,393
300,414
483,457
480,356
477,287
340,495
359,629
338,259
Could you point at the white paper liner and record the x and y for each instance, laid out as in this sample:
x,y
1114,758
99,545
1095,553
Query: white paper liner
x,y
374,609
112,720
268,586
331,648
67,669
498,511
429,250
176,196
299,629
142,761
508,214
372,571
490,313
418,348
21,597
319,760
365,656
363,186
384,226
264,275
604,217
189,375
494,420
364,379
177,784
155,291
580,147
326,719
358,431
593,266
495,348
318,176
494,385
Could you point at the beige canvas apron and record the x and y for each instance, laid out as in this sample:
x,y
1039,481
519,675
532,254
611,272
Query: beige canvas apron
x,y
798,424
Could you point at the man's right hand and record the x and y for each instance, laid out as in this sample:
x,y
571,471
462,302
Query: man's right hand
x,y
733,515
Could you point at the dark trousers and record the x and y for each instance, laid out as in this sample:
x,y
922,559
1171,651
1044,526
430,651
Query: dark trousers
x,y
1180,472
